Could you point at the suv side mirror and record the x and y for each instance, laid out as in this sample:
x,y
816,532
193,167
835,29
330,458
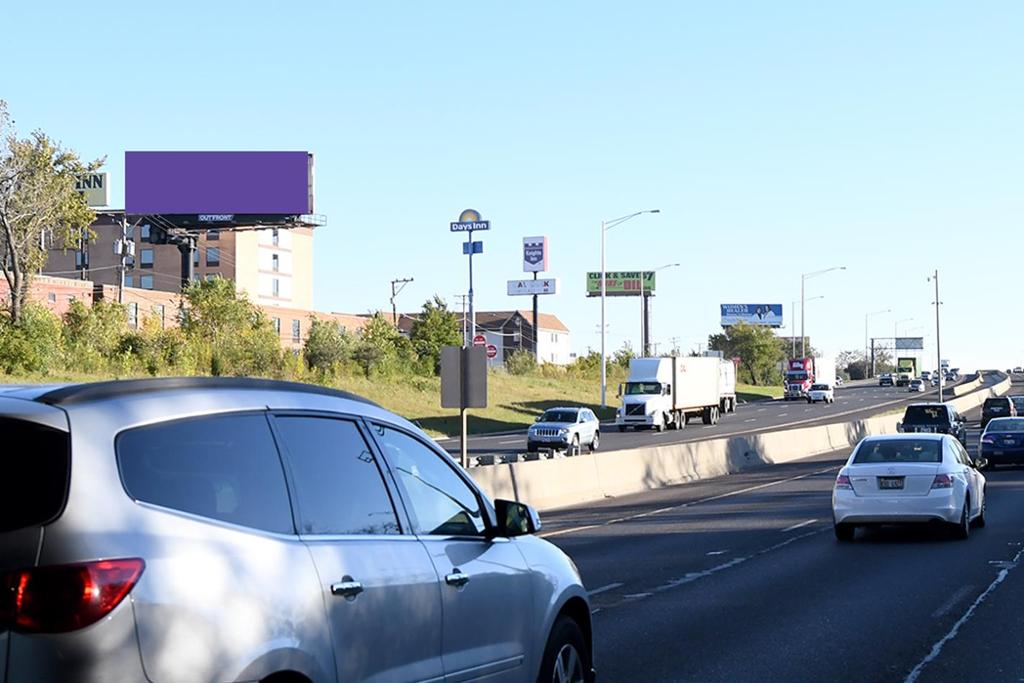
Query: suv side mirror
x,y
980,463
515,519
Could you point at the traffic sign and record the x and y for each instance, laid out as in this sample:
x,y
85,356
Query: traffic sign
x,y
539,286
492,351
479,340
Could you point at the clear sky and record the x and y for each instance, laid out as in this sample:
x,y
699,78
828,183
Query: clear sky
x,y
776,138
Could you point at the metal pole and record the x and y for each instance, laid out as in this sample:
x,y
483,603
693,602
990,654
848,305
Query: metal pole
x,y
803,337
536,326
604,358
872,357
124,259
938,344
792,324
472,314
643,318
647,325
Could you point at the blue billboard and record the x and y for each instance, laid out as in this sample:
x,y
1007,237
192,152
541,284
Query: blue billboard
x,y
769,315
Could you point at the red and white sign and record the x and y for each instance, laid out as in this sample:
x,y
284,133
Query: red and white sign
x,y
479,340
492,351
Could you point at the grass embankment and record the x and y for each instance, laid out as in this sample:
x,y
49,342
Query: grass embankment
x,y
514,402
749,392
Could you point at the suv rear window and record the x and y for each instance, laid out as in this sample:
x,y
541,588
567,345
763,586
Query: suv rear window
x,y
926,415
36,464
224,467
997,405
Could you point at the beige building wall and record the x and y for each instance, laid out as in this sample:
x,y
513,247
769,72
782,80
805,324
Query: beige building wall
x,y
275,267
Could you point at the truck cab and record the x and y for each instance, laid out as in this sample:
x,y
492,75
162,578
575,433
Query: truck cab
x,y
644,403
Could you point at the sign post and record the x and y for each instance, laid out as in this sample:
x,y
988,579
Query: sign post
x,y
469,220
464,385
535,260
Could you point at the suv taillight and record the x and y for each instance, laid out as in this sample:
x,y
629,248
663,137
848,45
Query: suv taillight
x,y
67,597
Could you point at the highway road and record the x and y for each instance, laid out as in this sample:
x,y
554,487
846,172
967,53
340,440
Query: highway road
x,y
851,403
740,578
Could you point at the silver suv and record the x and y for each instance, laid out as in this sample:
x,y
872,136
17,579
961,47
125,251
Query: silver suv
x,y
565,428
209,529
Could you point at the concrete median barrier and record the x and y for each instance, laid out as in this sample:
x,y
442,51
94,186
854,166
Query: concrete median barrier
x,y
550,484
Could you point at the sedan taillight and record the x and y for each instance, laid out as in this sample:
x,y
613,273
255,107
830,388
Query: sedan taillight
x,y
66,597
942,481
843,482
988,439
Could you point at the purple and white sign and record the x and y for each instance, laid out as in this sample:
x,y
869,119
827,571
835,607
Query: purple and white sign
x,y
535,254
218,183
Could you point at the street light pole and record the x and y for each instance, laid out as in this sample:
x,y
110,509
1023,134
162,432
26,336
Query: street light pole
x,y
605,227
803,278
938,343
870,364
792,309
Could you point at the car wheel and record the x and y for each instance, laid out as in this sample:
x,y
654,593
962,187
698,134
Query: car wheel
x,y
810,401
979,521
596,442
844,532
622,428
574,447
531,448
565,657
962,530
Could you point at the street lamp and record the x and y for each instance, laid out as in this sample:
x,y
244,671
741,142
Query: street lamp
x,y
869,366
938,342
645,314
803,278
605,227
792,318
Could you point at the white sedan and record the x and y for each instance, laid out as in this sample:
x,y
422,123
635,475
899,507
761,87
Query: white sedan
x,y
821,392
909,478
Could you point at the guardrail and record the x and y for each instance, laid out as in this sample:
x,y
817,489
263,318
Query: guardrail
x,y
549,484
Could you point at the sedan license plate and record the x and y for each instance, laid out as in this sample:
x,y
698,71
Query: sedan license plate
x,y
890,482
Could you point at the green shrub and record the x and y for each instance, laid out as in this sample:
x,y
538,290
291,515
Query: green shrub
x,y
521,363
33,344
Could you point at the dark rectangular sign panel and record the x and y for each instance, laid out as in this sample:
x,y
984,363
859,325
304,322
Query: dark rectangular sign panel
x,y
218,183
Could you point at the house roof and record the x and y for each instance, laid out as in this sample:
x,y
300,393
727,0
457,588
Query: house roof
x,y
548,321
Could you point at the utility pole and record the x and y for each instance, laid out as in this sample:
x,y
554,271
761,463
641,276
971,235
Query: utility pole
x,y
938,343
400,283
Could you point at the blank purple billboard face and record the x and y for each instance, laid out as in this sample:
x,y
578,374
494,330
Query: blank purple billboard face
x,y
218,183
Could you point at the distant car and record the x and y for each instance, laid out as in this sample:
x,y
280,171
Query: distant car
x,y
1018,403
1018,370
821,392
916,385
935,380
885,380
996,406
564,428
933,418
1002,442
839,381
908,478
926,375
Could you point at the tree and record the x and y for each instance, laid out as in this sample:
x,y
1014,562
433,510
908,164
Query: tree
x,y
436,327
325,346
378,344
757,347
37,198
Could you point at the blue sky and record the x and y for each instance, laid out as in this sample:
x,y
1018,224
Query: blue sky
x,y
776,138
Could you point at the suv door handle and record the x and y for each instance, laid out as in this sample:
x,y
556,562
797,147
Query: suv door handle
x,y
457,578
347,587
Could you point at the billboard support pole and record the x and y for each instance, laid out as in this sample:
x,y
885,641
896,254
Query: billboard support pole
x,y
187,247
536,326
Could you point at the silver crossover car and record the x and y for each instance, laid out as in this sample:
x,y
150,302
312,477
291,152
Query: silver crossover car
x,y
565,428
209,529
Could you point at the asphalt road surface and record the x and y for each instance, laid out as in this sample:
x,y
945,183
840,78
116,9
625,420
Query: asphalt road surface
x,y
740,578
853,402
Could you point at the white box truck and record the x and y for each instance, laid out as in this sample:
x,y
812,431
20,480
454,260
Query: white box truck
x,y
663,393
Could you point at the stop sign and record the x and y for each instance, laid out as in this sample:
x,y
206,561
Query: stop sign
x,y
492,351
479,340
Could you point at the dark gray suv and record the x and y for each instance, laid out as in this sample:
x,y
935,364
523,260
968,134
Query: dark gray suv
x,y
208,529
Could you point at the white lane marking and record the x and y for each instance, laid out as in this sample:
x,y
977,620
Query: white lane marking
x,y
604,589
953,600
861,401
717,552
761,410
505,443
637,596
783,414
709,499
799,525
953,632
753,419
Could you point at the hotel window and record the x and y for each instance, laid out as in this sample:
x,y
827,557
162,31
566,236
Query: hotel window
x,y
146,258
275,262
275,287
275,238
129,280
195,257
296,331
213,256
277,325
133,315
158,311
210,277
51,297
144,232
213,234
146,282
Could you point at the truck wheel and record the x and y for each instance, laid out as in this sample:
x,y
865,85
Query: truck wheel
x,y
622,428
706,416
715,415
660,425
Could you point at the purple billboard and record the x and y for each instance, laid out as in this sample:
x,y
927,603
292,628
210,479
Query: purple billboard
x,y
266,183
